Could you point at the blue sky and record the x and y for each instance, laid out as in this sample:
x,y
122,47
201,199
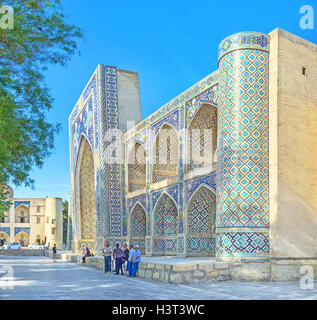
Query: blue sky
x,y
171,44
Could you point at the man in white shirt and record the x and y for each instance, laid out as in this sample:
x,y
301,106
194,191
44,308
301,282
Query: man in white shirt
x,y
131,255
135,261
107,253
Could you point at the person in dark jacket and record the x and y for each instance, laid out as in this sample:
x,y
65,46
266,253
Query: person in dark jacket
x,y
54,253
126,255
117,255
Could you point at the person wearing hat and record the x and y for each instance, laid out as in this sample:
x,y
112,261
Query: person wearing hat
x,y
131,255
135,261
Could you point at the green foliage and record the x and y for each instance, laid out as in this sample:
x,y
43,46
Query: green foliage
x,y
40,37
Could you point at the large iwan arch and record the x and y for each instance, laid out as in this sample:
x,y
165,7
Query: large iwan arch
x,y
86,192
165,226
201,217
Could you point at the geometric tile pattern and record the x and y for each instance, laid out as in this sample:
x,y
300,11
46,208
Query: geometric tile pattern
x,y
194,184
133,201
198,246
243,244
165,154
202,137
171,191
87,194
243,148
243,141
201,212
138,222
201,216
171,119
209,96
243,40
165,247
165,216
136,168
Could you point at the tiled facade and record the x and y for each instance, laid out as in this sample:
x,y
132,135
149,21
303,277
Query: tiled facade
x,y
183,205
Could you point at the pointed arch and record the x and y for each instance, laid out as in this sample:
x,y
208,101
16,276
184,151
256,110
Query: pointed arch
x,y
85,191
165,154
165,225
22,214
23,238
4,236
202,137
138,221
137,168
201,217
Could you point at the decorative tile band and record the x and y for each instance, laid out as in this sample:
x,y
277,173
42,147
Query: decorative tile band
x,y
243,244
244,40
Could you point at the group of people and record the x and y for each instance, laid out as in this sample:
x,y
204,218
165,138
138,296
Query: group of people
x,y
130,256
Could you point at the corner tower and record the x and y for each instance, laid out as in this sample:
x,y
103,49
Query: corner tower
x,y
242,224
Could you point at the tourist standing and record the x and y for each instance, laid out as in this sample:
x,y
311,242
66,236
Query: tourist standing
x,y
126,255
131,255
54,252
107,253
136,260
117,255
83,254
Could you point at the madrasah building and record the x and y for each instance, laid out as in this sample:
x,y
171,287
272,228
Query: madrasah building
x,y
226,169
33,220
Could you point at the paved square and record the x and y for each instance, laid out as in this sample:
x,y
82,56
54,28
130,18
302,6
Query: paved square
x,y
40,278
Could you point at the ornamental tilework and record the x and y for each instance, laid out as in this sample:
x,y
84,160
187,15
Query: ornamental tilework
x,y
198,246
165,247
233,102
133,201
171,119
190,93
165,154
201,212
192,185
165,215
243,148
87,194
243,40
245,244
209,96
138,221
171,191
136,168
201,216
202,138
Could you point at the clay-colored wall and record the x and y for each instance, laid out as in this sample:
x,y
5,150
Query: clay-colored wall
x,y
54,220
293,146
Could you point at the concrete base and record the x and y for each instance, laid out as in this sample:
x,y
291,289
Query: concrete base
x,y
192,270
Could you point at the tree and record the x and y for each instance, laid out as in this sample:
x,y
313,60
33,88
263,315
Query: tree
x,y
65,220
40,37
